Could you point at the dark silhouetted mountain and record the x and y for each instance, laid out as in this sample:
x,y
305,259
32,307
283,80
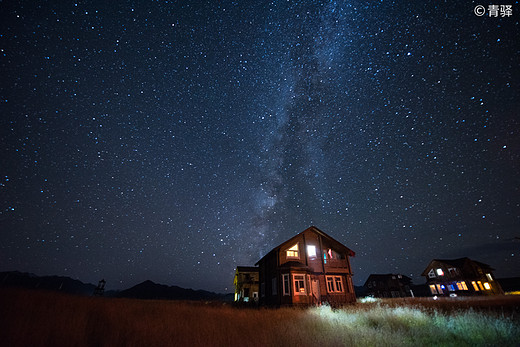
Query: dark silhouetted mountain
x,y
151,290
54,283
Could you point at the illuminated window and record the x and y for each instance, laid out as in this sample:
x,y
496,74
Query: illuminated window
x,y
451,288
440,272
440,288
490,278
311,251
487,286
299,285
324,257
462,286
433,289
474,286
286,284
293,252
480,285
431,274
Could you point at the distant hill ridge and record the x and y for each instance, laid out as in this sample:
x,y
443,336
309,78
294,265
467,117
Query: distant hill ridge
x,y
151,290
144,290
54,283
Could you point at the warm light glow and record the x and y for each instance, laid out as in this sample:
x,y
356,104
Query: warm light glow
x,y
475,286
433,289
293,252
311,251
487,286
440,272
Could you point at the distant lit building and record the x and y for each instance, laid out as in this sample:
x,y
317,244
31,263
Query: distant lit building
x,y
461,276
388,286
246,284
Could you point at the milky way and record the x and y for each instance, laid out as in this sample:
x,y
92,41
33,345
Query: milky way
x,y
174,141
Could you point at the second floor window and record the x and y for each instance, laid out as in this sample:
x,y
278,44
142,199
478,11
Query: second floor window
x,y
293,252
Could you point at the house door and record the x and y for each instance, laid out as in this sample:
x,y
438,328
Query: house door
x,y
315,287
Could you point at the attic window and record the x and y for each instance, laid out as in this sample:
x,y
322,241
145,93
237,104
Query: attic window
x,y
440,272
311,251
431,274
293,252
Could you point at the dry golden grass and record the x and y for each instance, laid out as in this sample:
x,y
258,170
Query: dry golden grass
x,y
32,318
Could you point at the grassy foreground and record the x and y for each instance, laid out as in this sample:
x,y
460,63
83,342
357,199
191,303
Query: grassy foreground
x,y
31,318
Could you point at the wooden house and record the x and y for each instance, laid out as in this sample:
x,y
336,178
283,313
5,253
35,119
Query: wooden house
x,y
246,284
461,276
388,286
308,269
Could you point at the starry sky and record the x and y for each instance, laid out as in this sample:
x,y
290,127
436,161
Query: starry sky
x,y
174,140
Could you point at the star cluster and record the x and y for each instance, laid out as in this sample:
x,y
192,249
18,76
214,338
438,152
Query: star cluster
x,y
172,141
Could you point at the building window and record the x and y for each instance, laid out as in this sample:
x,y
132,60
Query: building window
x,y
475,286
433,289
480,285
286,283
487,286
490,278
440,272
330,284
431,274
311,251
293,252
274,286
339,284
299,285
334,284
462,286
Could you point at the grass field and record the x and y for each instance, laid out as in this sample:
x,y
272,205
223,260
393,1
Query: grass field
x,y
32,318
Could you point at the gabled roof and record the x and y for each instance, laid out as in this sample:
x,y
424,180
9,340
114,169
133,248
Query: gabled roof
x,y
458,263
317,231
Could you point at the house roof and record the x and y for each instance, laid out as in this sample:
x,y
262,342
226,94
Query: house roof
x,y
458,263
316,230
247,269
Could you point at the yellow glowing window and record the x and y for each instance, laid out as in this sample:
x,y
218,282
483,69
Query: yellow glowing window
x,y
487,286
293,252
475,286
464,285
480,285
459,286
433,289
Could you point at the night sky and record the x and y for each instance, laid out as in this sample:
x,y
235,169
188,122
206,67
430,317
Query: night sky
x,y
173,141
